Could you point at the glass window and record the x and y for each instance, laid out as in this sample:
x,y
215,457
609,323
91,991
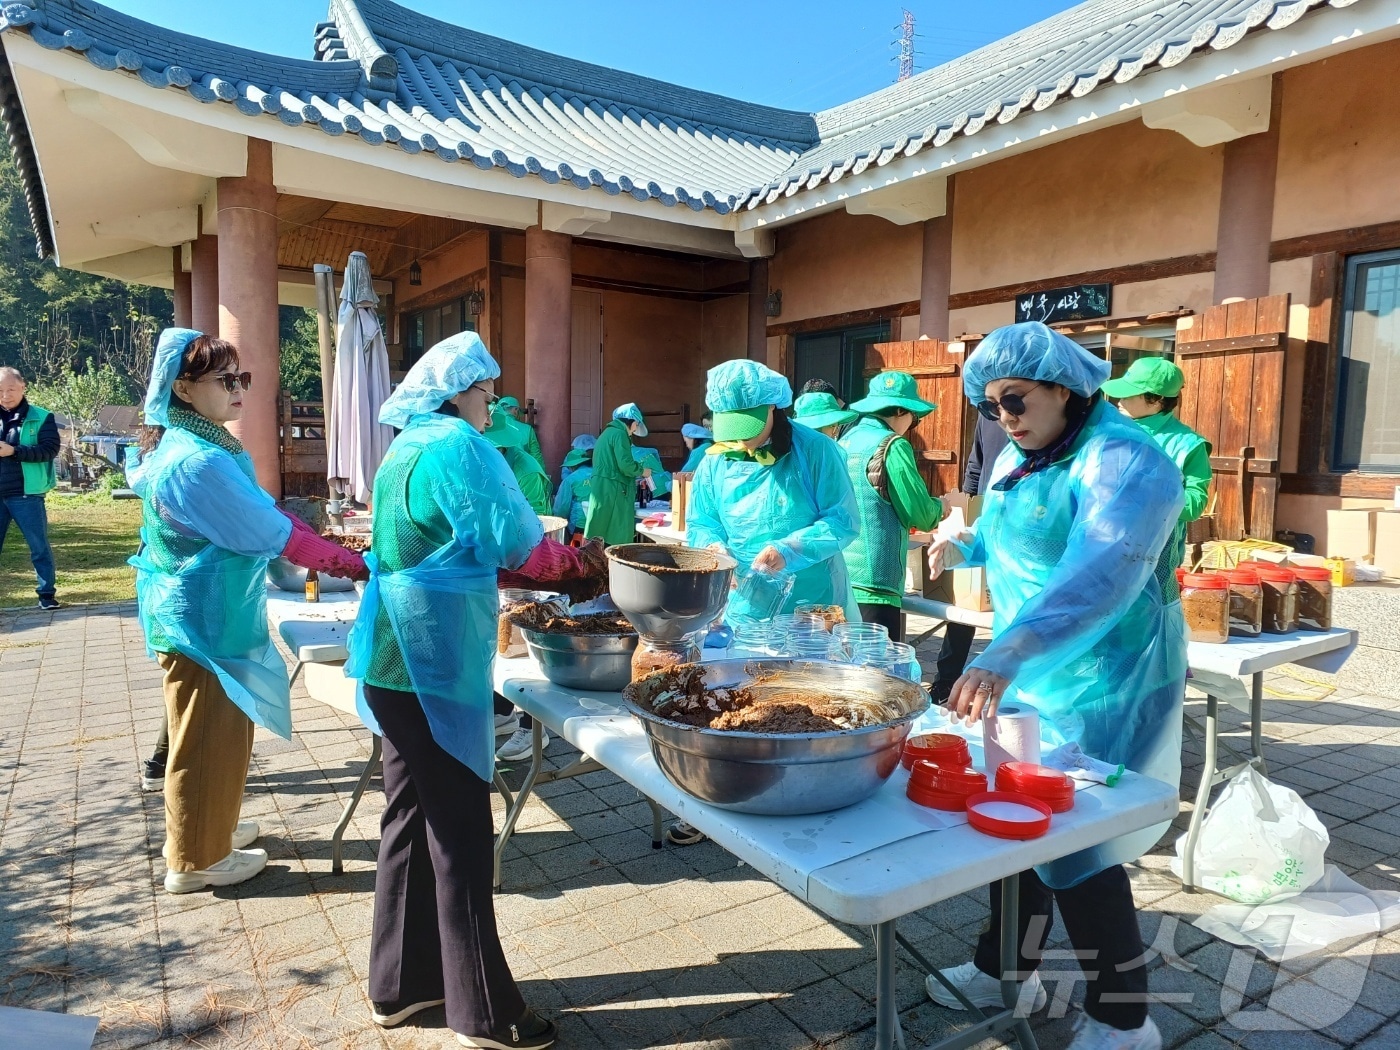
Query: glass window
x,y
1368,388
430,326
838,357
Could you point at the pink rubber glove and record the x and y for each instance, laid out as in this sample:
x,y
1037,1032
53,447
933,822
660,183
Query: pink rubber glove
x,y
556,566
310,551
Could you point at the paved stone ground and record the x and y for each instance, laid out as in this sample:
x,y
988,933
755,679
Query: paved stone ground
x,y
624,946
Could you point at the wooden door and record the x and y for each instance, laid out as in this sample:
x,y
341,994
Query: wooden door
x,y
586,363
1233,359
938,438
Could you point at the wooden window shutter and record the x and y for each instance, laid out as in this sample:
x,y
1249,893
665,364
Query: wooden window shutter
x,y
1233,358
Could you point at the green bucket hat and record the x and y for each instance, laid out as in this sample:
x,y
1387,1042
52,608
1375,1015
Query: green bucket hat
x,y
893,390
1147,375
742,424
505,432
508,402
821,410
577,458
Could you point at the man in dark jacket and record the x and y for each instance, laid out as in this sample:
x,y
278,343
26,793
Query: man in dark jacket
x,y
28,444
987,443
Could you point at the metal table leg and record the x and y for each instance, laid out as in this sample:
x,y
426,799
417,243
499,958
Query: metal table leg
x,y
513,812
1198,814
375,752
1010,959
657,819
1256,722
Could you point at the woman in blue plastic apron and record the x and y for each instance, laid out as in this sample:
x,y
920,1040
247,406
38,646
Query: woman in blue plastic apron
x,y
449,517
1089,631
207,534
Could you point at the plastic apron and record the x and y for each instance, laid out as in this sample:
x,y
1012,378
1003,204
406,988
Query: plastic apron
x,y
803,505
1075,566
443,614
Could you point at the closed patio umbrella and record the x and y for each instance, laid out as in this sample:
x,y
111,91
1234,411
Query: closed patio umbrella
x,y
355,439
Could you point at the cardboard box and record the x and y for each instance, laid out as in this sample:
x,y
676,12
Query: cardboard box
x,y
1387,547
1351,534
1343,569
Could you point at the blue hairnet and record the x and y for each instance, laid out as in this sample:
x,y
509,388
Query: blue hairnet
x,y
737,385
447,369
165,368
584,442
699,433
1032,351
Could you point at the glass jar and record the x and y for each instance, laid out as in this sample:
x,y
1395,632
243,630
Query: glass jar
x,y
901,662
1246,603
863,642
754,636
761,594
1314,598
1280,598
653,655
1205,602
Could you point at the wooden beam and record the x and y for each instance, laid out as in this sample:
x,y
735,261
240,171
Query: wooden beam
x,y
444,293
1377,237
1353,485
846,320
1134,273
1266,341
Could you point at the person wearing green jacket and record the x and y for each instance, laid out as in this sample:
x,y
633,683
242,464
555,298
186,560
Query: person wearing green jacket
x,y
571,501
1148,393
532,440
611,517
660,476
890,495
512,439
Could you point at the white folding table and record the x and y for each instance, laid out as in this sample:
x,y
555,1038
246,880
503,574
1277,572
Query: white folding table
x,y
870,863
1220,672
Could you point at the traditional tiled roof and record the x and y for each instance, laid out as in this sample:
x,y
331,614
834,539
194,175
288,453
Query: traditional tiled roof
x,y
1067,56
402,80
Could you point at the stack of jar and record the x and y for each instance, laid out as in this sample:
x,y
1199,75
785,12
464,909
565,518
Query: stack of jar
x,y
1257,598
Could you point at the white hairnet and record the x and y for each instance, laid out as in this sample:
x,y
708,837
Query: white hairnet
x,y
447,369
1032,351
165,369
737,385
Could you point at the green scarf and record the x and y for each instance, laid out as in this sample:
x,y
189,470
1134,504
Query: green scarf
x,y
184,419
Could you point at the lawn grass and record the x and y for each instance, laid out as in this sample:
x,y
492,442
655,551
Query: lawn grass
x,y
92,537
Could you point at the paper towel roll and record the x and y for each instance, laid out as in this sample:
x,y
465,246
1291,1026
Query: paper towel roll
x,y
1012,736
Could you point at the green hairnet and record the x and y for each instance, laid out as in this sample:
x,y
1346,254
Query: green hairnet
x,y
1032,351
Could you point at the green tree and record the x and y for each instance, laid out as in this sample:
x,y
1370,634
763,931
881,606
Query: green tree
x,y
81,395
301,353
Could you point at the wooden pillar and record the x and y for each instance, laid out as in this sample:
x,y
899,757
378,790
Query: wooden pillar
x,y
936,284
204,284
549,292
181,288
248,304
758,310
1247,212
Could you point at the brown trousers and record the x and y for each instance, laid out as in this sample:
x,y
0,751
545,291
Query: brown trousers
x,y
211,743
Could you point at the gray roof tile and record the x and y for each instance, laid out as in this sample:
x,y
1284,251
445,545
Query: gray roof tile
x,y
396,77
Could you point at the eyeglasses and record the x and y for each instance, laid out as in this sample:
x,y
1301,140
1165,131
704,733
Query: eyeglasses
x,y
491,398
231,381
1011,404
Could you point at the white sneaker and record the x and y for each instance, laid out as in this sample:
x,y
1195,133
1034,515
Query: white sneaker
x,y
239,866
246,834
521,745
507,724
1095,1035
983,990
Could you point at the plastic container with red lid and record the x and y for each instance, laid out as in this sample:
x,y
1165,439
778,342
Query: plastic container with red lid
x,y
944,749
1051,786
1205,602
1246,602
1280,587
1008,815
947,789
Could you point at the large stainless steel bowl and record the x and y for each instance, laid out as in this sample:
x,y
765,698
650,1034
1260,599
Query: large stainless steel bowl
x,y
285,576
596,663
782,774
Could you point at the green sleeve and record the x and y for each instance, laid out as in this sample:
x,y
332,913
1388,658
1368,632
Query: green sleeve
x,y
619,450
913,506
1196,471
533,448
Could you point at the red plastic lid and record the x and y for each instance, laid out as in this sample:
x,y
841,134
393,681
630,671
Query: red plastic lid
x,y
1008,815
949,801
1269,571
1311,572
947,749
1051,786
956,779
1205,581
1180,573
1248,575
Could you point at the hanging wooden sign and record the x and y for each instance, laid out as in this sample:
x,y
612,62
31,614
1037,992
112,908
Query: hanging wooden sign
x,y
1082,302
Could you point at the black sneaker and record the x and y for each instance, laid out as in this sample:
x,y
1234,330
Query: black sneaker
x,y
152,775
48,601
386,1015
531,1032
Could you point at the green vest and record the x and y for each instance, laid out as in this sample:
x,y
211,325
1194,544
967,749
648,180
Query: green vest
x,y
38,477
1178,441
876,558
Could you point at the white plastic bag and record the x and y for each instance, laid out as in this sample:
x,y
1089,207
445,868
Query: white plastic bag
x,y
1259,843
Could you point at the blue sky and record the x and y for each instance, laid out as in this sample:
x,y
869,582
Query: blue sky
x,y
800,56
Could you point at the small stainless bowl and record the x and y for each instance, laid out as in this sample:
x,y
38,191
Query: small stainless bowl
x,y
285,576
595,663
786,774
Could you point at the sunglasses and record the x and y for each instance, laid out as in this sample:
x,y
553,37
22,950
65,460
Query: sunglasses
x,y
1011,404
231,381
